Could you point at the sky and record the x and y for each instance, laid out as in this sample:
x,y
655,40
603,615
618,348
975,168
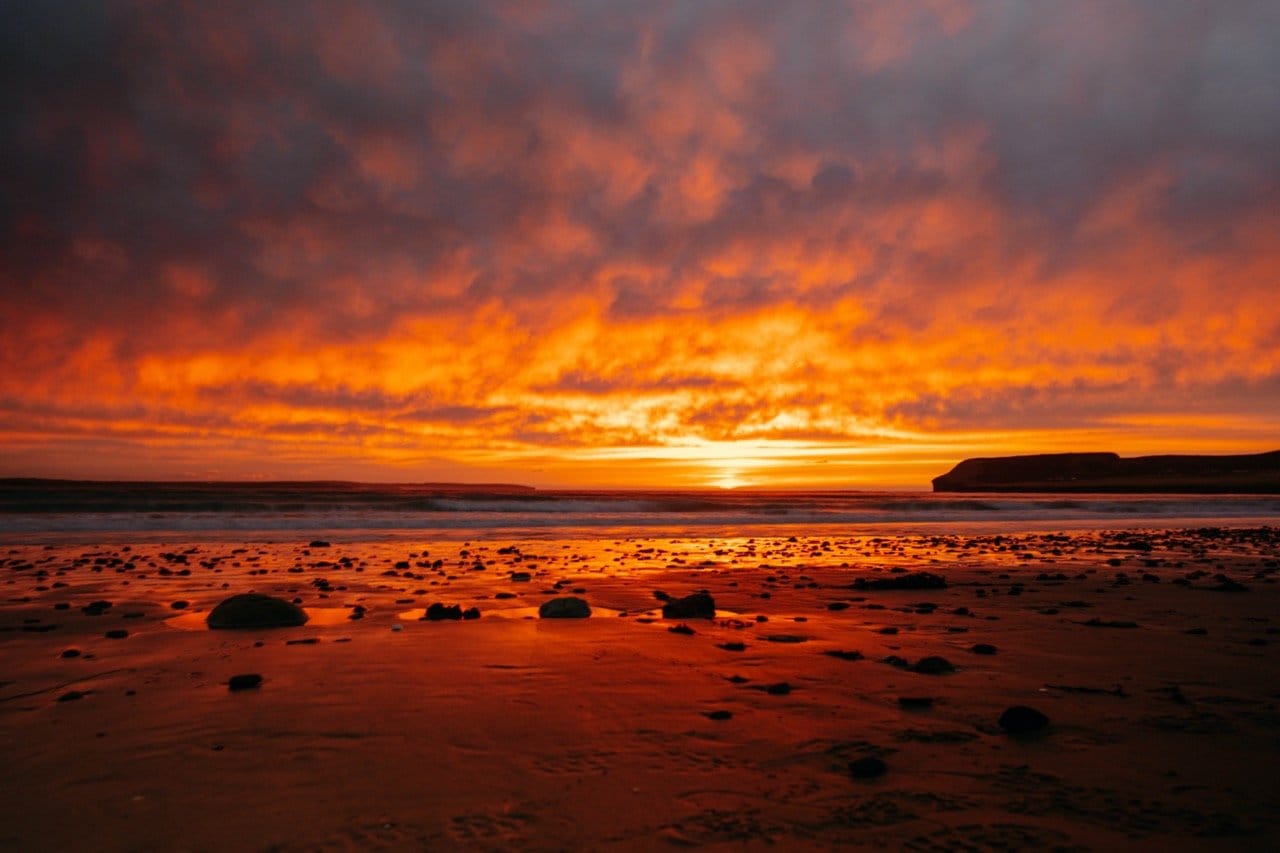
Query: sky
x,y
634,244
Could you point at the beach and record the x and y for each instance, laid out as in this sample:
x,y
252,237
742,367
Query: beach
x,y
1150,651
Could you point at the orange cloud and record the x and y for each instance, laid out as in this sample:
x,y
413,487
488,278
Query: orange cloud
x,y
711,245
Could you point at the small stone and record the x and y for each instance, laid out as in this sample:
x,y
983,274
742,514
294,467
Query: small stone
x,y
910,580
567,607
318,543
915,702
843,655
116,634
719,715
933,665
70,653
700,605
732,646
782,688
1020,720
681,629
71,696
179,605
247,681
438,612
983,649
867,768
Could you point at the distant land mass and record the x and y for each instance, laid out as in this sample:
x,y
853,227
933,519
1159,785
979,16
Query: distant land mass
x,y
1257,473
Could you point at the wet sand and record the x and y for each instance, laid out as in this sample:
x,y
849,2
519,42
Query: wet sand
x,y
1152,653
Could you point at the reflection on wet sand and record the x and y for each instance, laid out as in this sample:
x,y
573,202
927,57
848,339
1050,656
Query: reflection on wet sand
x,y
1080,690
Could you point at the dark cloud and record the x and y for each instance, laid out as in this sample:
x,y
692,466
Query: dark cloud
x,y
187,180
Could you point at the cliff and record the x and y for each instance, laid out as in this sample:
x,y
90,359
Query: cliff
x,y
1107,472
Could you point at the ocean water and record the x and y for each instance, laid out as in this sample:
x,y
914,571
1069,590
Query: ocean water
x,y
35,511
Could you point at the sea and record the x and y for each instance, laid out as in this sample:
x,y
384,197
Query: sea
x,y
55,511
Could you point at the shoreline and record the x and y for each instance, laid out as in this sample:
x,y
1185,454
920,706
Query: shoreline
x,y
511,732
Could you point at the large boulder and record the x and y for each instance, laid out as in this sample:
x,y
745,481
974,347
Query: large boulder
x,y
255,610
566,607
700,605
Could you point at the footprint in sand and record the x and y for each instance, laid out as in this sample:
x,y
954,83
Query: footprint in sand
x,y
505,828
980,838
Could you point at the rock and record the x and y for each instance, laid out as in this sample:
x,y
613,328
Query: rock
x,y
782,688
438,612
933,665
71,696
786,638
116,634
843,655
719,715
567,607
179,605
983,649
255,610
247,681
868,768
70,653
700,605
732,646
682,629
318,543
915,702
910,580
1021,720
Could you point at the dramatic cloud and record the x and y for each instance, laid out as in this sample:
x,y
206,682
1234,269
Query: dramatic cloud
x,y
634,242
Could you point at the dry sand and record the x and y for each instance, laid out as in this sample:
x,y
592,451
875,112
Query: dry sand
x,y
510,732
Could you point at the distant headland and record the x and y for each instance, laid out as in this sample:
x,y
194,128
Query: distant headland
x,y
1107,472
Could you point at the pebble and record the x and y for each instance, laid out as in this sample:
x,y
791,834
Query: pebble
x,y
246,681
1021,719
868,768
933,665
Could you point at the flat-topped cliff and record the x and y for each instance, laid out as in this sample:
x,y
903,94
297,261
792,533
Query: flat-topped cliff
x,y
1257,473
